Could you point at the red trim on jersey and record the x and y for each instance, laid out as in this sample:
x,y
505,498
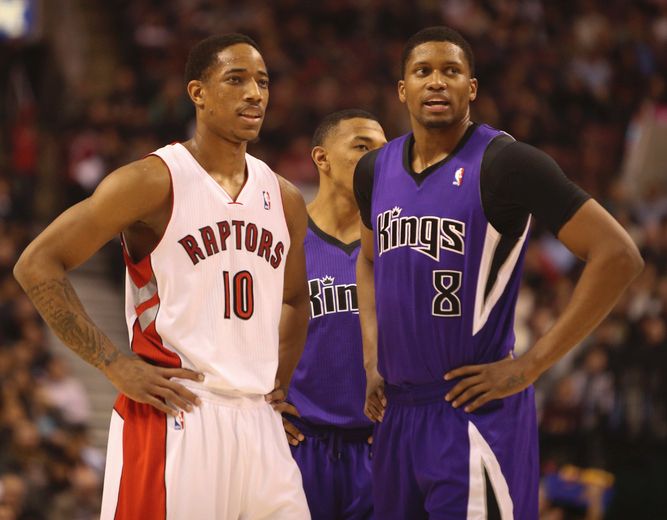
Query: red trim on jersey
x,y
140,272
142,493
148,344
151,302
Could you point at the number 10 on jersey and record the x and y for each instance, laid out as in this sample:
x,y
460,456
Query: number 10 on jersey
x,y
239,294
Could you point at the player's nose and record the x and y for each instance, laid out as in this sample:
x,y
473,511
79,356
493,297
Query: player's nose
x,y
437,81
253,92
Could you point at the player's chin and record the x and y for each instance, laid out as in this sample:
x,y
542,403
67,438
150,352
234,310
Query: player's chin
x,y
247,134
436,121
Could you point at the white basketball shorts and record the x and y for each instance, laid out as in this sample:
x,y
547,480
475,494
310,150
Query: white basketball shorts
x,y
228,459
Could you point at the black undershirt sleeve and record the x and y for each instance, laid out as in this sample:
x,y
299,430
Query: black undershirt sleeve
x,y
363,186
517,180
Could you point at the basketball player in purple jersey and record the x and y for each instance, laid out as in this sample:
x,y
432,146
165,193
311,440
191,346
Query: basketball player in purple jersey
x,y
446,210
326,424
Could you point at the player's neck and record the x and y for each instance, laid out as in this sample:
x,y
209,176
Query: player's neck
x,y
216,154
434,144
335,212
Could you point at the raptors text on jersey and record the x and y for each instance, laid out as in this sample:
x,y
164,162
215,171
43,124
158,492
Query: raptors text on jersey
x,y
209,296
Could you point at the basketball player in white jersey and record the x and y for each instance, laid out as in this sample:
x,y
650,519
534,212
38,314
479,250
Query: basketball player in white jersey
x,y
216,305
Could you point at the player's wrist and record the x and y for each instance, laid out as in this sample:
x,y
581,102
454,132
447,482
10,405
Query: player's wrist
x,y
531,368
116,365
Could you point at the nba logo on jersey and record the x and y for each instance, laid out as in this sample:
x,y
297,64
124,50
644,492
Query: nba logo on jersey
x,y
458,177
267,200
179,421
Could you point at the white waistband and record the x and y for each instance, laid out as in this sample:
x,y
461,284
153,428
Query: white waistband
x,y
214,395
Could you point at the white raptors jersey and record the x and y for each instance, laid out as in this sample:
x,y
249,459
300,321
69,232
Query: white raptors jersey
x,y
209,296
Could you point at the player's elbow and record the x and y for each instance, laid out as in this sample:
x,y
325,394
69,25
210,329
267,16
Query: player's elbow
x,y
627,260
30,266
24,267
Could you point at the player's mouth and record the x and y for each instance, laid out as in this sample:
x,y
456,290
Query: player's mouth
x,y
251,114
251,118
436,105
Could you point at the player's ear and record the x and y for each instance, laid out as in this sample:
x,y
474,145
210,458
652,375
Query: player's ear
x,y
319,156
401,90
473,89
196,92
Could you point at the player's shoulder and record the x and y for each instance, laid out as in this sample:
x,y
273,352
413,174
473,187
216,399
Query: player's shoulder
x,y
289,192
294,207
147,174
507,149
138,188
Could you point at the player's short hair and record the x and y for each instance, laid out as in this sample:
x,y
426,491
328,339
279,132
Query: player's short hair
x,y
203,55
437,34
330,122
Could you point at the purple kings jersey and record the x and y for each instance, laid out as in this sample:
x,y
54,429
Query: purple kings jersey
x,y
446,281
329,384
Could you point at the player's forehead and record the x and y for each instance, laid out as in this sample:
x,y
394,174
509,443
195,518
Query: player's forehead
x,y
436,53
239,56
358,128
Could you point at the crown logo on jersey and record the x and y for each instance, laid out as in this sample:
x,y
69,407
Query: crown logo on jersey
x,y
267,200
328,280
396,211
458,177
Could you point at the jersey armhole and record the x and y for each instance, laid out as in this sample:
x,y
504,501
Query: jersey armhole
x,y
172,195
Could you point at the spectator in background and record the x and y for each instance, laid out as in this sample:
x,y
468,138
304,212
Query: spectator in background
x,y
65,392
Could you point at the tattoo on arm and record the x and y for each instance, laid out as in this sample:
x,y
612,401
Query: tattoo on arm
x,y
61,308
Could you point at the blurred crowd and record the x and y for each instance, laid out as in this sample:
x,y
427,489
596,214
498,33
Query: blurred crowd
x,y
567,76
48,467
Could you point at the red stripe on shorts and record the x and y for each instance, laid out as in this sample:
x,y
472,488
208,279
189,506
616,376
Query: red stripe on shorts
x,y
142,494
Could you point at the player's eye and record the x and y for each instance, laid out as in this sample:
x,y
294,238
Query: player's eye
x,y
263,83
362,147
422,71
234,80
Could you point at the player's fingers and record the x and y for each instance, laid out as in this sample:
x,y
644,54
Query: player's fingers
x,y
275,396
375,409
285,407
182,373
371,414
380,395
161,406
469,394
463,371
291,409
480,401
376,400
461,387
280,407
293,430
172,397
183,393
291,439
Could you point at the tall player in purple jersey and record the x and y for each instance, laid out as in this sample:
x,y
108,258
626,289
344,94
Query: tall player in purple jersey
x,y
446,211
325,421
